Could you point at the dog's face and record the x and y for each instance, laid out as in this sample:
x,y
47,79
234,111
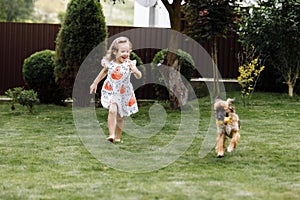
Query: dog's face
x,y
222,109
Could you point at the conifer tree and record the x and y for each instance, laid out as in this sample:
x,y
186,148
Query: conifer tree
x,y
82,30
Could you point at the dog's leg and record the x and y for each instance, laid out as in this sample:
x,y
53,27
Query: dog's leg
x,y
224,142
220,144
234,140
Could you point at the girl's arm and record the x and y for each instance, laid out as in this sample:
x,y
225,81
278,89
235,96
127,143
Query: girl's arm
x,y
137,73
134,70
101,75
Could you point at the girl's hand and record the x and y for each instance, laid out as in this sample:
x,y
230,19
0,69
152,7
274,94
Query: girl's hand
x,y
133,69
136,73
101,75
93,88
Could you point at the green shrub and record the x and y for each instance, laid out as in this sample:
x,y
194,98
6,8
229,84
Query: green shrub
x,y
26,98
249,74
186,70
38,74
82,30
14,94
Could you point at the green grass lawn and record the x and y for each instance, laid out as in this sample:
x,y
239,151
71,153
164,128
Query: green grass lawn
x,y
42,156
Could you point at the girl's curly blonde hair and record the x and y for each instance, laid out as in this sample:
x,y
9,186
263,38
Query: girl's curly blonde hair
x,y
115,47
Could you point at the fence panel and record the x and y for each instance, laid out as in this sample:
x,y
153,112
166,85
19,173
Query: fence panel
x,y
19,40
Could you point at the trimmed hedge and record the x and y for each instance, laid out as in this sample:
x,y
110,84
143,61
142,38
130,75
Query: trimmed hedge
x,y
38,74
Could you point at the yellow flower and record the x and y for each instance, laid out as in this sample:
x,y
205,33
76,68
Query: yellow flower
x,y
249,73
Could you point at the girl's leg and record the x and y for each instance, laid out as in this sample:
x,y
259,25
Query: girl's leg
x,y
119,127
112,121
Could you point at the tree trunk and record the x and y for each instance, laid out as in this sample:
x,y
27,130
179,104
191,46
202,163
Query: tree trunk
x,y
291,81
214,55
178,92
291,88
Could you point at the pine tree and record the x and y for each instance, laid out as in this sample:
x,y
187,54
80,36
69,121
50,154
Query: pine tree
x,y
82,30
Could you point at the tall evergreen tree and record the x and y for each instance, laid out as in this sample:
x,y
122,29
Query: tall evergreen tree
x,y
82,30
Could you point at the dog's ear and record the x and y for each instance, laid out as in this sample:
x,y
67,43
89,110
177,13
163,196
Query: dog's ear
x,y
230,106
230,101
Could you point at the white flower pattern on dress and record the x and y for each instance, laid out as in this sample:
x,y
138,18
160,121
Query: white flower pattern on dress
x,y
117,87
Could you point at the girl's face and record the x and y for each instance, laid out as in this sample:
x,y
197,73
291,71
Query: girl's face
x,y
122,53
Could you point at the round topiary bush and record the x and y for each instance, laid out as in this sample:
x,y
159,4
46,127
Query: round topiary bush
x,y
38,74
187,68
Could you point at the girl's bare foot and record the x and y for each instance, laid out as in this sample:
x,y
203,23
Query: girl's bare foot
x,y
118,140
110,138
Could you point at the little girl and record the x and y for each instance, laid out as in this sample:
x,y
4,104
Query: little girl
x,y
117,94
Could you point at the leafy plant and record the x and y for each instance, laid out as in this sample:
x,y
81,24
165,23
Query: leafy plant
x,y
187,67
249,74
26,98
273,28
38,72
16,10
14,95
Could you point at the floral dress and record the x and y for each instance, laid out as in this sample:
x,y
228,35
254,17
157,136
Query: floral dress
x,y
118,89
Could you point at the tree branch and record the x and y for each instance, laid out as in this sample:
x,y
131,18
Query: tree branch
x,y
168,6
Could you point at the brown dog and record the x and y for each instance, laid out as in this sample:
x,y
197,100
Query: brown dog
x,y
228,125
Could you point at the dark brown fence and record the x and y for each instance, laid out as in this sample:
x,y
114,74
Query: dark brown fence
x,y
19,40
